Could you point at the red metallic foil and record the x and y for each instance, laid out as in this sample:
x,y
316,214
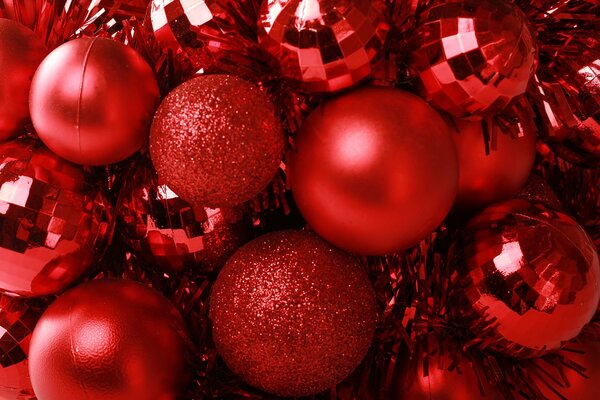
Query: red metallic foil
x,y
525,279
326,45
51,220
472,57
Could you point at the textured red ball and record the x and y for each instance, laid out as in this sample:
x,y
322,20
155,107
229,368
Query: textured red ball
x,y
109,339
326,45
472,57
98,109
22,52
375,170
525,279
52,220
499,175
292,315
216,141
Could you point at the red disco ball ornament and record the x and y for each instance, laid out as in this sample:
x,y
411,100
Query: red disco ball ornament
x,y
173,235
22,52
216,141
98,110
326,45
17,320
291,314
52,220
472,57
375,170
109,339
498,175
525,279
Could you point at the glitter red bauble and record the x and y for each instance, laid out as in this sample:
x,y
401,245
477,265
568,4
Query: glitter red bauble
x,y
525,279
292,315
109,339
216,141
499,175
98,109
22,52
375,170
472,57
17,320
172,235
52,220
327,45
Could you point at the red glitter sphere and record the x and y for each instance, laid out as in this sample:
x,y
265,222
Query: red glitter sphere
x,y
22,52
472,57
327,45
375,170
525,279
98,109
52,220
216,141
109,339
291,314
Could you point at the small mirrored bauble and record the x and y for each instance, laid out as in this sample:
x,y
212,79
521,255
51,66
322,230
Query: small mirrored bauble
x,y
472,57
525,279
327,45
51,220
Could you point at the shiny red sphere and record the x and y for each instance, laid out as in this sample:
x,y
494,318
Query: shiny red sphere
x,y
98,109
22,52
109,339
375,170
499,175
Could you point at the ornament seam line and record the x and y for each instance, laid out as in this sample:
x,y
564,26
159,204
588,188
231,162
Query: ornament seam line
x,y
81,82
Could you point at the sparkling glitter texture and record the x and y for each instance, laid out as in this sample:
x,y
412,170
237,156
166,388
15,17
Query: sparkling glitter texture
x,y
472,57
525,278
172,235
328,45
291,314
52,220
215,141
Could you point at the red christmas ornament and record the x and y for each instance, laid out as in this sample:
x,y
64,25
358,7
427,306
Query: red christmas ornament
x,y
375,170
499,175
216,141
327,45
52,220
22,52
525,279
98,109
291,314
472,57
537,190
17,320
171,234
109,339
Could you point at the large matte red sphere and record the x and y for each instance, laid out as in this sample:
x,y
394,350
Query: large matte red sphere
x,y
375,170
108,340
291,314
499,175
92,101
22,52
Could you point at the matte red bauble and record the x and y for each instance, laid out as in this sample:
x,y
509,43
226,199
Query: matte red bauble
x,y
292,315
326,45
472,57
17,320
52,220
525,278
109,339
172,235
375,170
499,175
22,52
98,109
216,141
